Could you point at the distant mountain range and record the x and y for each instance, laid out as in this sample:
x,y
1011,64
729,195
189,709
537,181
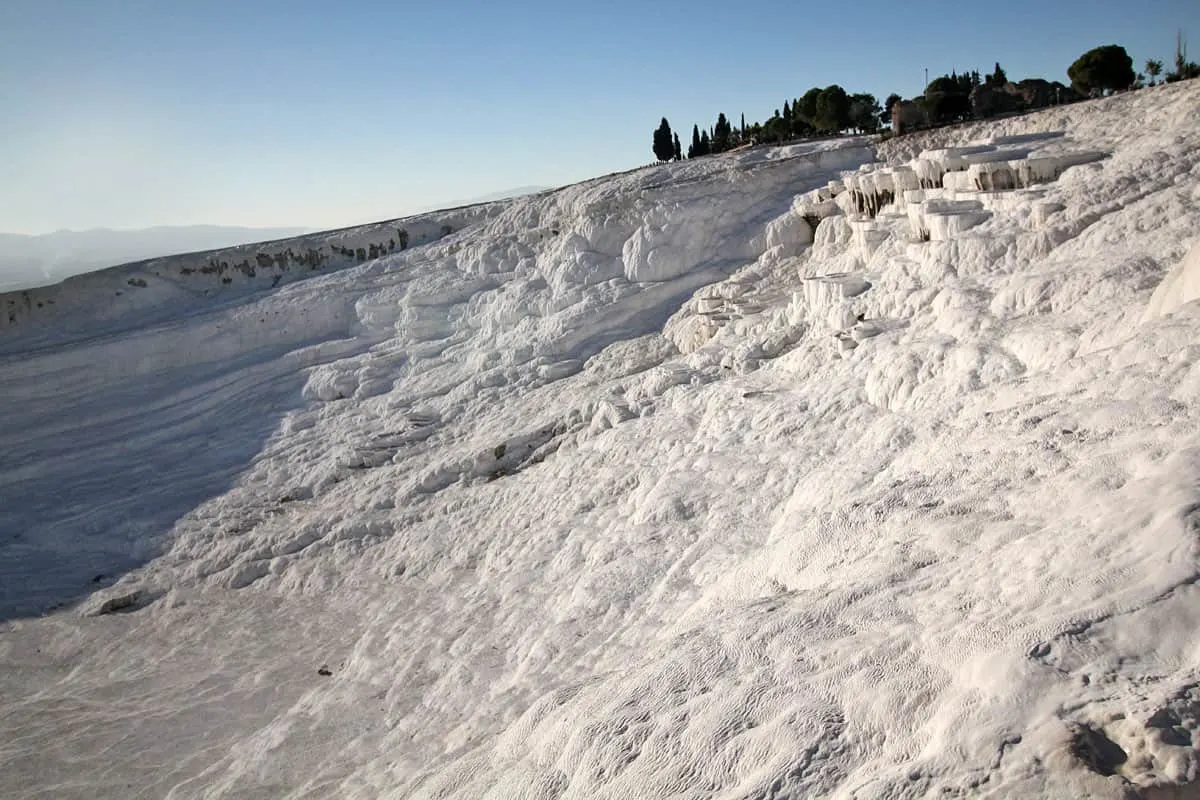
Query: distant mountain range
x,y
27,261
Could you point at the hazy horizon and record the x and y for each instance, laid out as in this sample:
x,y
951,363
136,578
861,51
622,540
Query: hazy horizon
x,y
27,261
299,228
296,228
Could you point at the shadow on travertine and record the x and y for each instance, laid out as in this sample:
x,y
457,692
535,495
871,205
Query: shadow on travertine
x,y
97,472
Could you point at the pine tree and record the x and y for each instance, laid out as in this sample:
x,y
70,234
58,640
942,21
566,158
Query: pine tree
x,y
705,144
808,107
777,129
1107,68
946,100
864,112
799,127
664,145
833,109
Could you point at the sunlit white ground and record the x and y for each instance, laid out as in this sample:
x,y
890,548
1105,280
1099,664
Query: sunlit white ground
x,y
638,489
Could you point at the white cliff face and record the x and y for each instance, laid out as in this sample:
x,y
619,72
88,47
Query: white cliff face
x,y
824,471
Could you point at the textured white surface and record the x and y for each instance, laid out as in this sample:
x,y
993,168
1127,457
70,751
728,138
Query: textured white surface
x,y
625,491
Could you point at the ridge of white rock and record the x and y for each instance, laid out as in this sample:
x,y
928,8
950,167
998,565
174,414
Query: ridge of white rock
x,y
835,470
1180,287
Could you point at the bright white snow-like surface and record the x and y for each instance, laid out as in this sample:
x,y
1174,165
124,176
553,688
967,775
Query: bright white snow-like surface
x,y
643,488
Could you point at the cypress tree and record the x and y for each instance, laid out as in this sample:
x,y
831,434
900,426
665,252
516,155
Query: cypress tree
x,y
721,134
678,149
664,146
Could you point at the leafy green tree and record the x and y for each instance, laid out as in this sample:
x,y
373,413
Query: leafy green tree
x,y
988,101
1154,68
1100,69
808,107
833,109
799,126
947,100
1186,71
864,112
664,145
777,129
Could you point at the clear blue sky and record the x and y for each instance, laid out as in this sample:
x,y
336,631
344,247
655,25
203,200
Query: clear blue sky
x,y
131,113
